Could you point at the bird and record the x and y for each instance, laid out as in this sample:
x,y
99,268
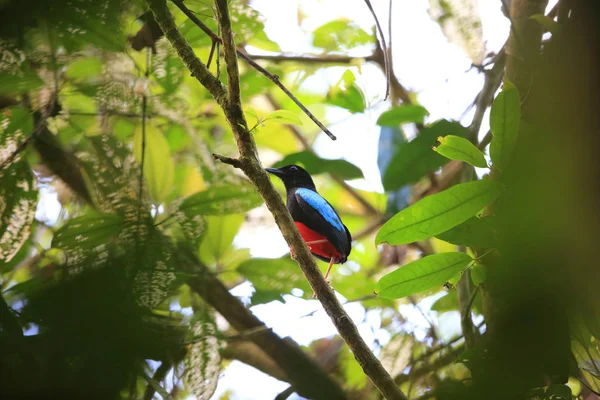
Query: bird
x,y
317,221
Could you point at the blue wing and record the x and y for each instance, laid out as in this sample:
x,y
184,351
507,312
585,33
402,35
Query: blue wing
x,y
320,216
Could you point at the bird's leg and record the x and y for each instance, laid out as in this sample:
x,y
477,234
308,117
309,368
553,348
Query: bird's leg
x,y
326,275
329,269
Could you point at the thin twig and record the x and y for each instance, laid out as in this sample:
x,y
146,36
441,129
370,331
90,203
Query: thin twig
x,y
285,394
385,51
309,59
211,54
253,64
234,162
154,382
369,208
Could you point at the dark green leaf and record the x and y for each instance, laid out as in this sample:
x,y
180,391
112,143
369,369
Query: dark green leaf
x,y
316,165
220,200
474,232
421,275
461,149
439,212
552,392
415,159
402,114
11,84
478,274
88,231
505,118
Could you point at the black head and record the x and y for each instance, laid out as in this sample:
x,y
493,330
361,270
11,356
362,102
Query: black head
x,y
293,176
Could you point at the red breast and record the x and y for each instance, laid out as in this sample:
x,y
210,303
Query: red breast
x,y
325,249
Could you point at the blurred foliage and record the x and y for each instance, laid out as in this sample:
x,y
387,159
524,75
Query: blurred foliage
x,y
96,303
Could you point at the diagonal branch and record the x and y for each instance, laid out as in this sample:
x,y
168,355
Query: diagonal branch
x,y
251,166
253,64
369,208
386,53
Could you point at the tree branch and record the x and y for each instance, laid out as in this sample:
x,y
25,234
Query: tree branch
x,y
434,366
253,64
301,370
158,376
523,45
369,208
386,62
250,164
250,354
310,59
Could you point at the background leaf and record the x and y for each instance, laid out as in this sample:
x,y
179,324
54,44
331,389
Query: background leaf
x,y
158,165
461,149
439,212
421,275
474,232
316,165
221,200
398,115
414,160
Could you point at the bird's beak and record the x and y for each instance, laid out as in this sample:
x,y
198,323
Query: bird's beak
x,y
275,171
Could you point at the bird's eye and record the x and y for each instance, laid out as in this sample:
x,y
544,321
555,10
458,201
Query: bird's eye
x,y
293,168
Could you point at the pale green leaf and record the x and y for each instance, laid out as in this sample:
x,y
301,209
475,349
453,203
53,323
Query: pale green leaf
x,y
402,114
439,212
159,171
461,149
284,117
221,200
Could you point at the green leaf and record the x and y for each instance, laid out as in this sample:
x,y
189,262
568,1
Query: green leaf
x,y
84,68
478,274
11,84
461,149
421,275
402,114
274,275
316,165
415,159
216,241
221,200
474,232
439,212
88,231
340,35
284,117
546,22
505,118
446,303
346,94
158,164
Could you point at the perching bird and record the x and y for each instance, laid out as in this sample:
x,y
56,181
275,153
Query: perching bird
x,y
320,226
